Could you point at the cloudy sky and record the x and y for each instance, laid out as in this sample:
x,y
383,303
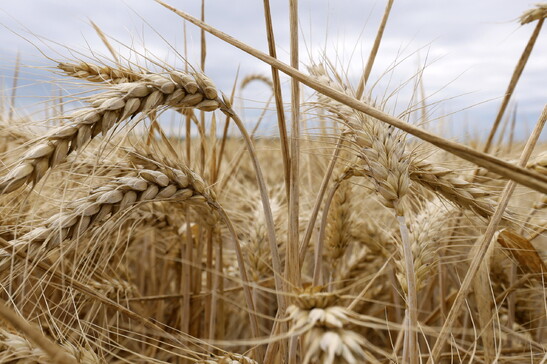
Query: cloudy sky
x,y
469,47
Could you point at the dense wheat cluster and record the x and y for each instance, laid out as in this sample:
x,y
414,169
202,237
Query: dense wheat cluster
x,y
369,239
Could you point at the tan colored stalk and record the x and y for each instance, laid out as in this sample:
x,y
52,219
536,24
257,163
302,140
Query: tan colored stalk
x,y
373,52
292,262
318,201
276,260
213,172
203,55
281,123
120,103
496,165
516,75
187,246
56,354
483,244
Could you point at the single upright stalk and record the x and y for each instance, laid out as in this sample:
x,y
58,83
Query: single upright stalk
x,y
292,272
484,243
203,55
411,297
292,267
281,124
513,83
373,52
318,200
186,275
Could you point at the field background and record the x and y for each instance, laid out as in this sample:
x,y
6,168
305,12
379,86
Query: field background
x,y
165,199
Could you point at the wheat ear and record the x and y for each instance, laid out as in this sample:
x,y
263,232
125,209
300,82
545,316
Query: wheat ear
x,y
121,102
326,337
121,194
382,148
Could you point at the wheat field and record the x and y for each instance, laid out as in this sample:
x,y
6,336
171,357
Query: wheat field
x,y
349,236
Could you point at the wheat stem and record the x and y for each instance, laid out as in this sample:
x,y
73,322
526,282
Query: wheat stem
x,y
373,52
513,83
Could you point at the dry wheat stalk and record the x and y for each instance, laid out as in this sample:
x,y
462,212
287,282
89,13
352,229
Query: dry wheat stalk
x,y
121,101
